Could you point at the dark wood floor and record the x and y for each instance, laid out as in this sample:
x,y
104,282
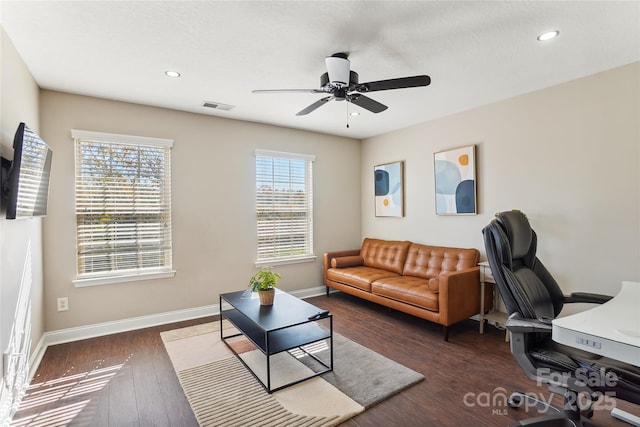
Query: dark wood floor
x,y
127,379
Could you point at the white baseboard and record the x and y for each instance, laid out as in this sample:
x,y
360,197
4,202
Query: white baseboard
x,y
36,357
100,329
107,328
310,292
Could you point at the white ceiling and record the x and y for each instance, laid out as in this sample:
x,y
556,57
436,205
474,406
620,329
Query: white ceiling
x,y
475,52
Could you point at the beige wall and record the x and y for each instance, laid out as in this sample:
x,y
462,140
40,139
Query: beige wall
x,y
20,240
568,156
213,182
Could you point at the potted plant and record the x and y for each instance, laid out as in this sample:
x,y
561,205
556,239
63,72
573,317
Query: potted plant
x,y
265,282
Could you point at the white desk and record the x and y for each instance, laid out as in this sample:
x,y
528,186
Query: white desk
x,y
611,329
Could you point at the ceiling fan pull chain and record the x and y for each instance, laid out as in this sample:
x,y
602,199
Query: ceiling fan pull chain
x,y
347,114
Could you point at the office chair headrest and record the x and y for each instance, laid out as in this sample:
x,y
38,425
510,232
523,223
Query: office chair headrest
x,y
519,232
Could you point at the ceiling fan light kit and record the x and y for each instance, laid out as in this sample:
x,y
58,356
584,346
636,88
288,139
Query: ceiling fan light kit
x,y
338,67
341,84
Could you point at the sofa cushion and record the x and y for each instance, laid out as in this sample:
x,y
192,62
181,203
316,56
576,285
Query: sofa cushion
x,y
347,261
431,261
385,254
410,290
359,277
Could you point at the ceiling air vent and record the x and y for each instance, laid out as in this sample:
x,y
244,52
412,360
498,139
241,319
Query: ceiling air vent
x,y
218,106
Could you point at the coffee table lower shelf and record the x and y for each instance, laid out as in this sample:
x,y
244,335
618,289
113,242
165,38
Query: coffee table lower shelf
x,y
299,337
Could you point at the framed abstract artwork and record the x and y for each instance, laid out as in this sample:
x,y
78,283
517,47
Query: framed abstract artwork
x,y
455,181
389,189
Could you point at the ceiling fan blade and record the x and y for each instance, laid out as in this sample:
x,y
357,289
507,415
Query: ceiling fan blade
x,y
366,103
400,83
319,103
288,91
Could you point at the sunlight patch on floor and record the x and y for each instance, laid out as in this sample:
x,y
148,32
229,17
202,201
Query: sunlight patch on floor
x,y
74,388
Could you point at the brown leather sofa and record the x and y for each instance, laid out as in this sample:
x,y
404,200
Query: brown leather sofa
x,y
435,283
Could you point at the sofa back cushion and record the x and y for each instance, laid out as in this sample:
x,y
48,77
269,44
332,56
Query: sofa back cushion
x,y
431,261
385,254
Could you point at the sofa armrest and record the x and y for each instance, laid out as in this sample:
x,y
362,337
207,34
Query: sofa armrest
x,y
328,256
459,295
347,261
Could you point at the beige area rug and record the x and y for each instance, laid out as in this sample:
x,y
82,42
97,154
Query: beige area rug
x,y
222,392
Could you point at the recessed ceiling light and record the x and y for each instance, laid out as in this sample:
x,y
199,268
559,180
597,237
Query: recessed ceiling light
x,y
354,113
172,73
548,35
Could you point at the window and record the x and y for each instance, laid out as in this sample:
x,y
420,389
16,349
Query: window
x,y
123,207
284,207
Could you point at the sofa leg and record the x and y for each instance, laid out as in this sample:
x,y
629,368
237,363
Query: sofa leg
x,y
327,290
445,333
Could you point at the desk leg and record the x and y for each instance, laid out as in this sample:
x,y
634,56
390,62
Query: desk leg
x,y
481,308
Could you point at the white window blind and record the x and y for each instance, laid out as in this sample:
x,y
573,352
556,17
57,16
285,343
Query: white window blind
x,y
284,205
123,204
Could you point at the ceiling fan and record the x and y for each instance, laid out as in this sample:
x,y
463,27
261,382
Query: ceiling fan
x,y
341,83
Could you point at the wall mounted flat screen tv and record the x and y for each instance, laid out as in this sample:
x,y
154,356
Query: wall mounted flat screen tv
x,y
25,184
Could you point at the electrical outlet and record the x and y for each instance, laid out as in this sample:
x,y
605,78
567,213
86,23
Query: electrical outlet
x,y
63,304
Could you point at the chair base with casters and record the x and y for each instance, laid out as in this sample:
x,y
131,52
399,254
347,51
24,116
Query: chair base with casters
x,y
568,381
556,419
533,299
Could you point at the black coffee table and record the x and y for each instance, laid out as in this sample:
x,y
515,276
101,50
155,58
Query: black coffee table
x,y
290,324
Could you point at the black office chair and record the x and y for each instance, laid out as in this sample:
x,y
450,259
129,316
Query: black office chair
x,y
532,299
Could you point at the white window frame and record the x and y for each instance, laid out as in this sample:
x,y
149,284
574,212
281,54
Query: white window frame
x,y
308,254
133,274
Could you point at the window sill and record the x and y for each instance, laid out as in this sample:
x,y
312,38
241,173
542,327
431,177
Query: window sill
x,y
284,261
82,282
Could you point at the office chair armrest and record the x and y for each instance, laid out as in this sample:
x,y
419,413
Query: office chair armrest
x,y
586,297
528,325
